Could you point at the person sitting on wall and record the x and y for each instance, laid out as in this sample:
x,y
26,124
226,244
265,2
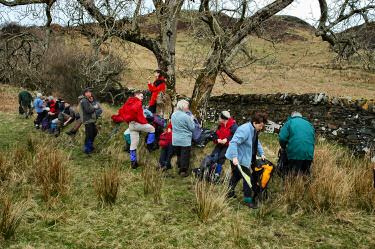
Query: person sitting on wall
x,y
224,134
155,88
65,117
297,138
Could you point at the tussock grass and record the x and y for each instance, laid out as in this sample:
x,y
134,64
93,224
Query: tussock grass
x,y
6,168
51,171
339,181
210,201
107,185
11,215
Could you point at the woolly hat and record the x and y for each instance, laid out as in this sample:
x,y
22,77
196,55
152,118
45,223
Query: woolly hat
x,y
225,115
85,91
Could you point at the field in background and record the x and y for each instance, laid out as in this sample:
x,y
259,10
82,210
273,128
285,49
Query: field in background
x,y
305,218
295,66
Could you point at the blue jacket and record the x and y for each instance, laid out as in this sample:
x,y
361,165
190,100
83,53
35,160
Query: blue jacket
x,y
38,104
99,111
298,137
241,145
182,129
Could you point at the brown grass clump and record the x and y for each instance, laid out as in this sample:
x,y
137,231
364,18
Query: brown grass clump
x,y
11,216
339,181
51,172
210,200
107,186
5,168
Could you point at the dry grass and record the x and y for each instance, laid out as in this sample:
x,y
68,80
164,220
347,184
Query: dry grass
x,y
8,99
11,216
51,171
107,185
210,201
339,181
5,168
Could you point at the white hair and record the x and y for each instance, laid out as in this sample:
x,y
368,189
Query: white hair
x,y
39,95
182,104
296,114
50,98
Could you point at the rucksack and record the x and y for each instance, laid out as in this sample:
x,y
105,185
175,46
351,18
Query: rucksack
x,y
282,161
165,139
261,176
205,137
45,124
159,121
207,168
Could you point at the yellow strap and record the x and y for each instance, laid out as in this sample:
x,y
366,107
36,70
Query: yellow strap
x,y
246,177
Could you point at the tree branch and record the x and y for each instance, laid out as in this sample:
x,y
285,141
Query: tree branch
x,y
21,2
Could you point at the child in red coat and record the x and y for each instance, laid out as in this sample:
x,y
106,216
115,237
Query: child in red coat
x,y
155,88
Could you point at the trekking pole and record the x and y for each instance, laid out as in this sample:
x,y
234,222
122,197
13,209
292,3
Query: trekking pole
x,y
246,177
114,131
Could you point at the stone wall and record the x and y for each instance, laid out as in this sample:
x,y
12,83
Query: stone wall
x,y
345,120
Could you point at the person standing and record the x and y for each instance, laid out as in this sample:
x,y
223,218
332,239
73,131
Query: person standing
x,y
155,88
182,133
224,134
88,116
39,109
167,151
297,138
242,152
24,100
132,113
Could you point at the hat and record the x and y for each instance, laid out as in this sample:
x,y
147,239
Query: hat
x,y
85,91
50,98
225,115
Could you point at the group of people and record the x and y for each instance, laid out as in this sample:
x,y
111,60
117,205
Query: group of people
x,y
238,144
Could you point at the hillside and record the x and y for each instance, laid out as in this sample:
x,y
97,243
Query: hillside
x,y
334,213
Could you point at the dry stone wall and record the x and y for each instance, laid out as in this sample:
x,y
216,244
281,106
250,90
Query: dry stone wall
x,y
348,121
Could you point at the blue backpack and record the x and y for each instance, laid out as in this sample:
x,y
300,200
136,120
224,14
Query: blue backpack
x,y
197,129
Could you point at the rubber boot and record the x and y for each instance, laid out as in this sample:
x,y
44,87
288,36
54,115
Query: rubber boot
x,y
250,202
133,159
127,147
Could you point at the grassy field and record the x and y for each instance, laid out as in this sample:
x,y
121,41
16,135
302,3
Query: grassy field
x,y
334,211
294,66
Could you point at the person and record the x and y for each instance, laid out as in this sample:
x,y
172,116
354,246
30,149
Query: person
x,y
24,100
65,117
166,154
242,152
182,133
53,108
88,116
39,109
155,88
132,113
78,122
297,138
224,134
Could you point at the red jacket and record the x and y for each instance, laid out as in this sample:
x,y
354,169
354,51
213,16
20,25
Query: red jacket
x,y
226,131
156,88
53,108
132,111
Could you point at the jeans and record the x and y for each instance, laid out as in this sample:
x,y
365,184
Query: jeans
x,y
183,157
166,156
236,177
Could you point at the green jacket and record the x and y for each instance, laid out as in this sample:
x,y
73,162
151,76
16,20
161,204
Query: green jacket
x,y
25,98
298,137
86,111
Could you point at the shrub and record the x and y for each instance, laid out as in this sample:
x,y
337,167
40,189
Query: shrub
x,y
107,186
11,216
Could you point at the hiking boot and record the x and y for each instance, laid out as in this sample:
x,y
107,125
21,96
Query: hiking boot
x,y
252,205
164,168
134,164
37,127
70,133
159,167
184,174
231,195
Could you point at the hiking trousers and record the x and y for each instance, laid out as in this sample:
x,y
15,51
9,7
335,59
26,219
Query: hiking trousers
x,y
236,177
220,150
90,134
296,167
134,129
166,156
183,157
40,117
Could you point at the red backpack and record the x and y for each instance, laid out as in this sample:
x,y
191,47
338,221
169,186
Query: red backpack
x,y
165,139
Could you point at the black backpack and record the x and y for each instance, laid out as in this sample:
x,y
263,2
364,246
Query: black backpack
x,y
207,168
206,136
281,167
261,177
